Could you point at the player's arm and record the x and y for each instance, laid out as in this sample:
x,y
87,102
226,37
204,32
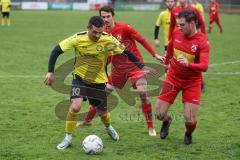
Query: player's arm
x,y
156,30
51,65
202,66
135,35
62,47
169,53
172,25
133,58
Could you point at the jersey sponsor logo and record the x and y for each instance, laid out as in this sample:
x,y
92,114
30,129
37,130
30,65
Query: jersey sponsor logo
x,y
119,37
194,48
99,48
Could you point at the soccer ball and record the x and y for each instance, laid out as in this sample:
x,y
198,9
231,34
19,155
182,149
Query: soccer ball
x,y
92,144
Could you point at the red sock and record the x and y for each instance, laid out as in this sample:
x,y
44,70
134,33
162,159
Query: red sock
x,y
90,114
190,127
147,111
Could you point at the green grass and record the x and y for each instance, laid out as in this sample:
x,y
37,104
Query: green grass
x,y
30,129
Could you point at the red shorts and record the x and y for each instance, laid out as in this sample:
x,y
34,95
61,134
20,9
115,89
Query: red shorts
x,y
214,18
191,90
119,78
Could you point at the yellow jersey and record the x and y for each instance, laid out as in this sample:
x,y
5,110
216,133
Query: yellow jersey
x,y
5,5
200,8
91,57
164,21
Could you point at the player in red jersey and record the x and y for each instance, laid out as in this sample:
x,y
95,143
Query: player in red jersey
x,y
188,51
124,69
174,17
213,16
174,22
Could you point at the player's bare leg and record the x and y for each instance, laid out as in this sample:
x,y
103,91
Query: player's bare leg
x,y
219,26
71,122
190,115
87,121
161,113
210,27
141,85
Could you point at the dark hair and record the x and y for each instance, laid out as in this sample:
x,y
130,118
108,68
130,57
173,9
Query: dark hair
x,y
96,21
107,9
188,14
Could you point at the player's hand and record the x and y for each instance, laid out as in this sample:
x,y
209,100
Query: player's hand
x,y
149,71
156,42
158,57
182,60
49,78
162,59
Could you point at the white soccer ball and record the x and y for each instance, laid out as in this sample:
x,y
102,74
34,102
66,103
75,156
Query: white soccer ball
x,y
92,144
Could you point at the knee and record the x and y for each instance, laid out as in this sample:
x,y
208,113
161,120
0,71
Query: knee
x,y
189,119
75,106
103,115
160,116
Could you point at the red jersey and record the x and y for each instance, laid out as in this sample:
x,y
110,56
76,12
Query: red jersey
x,y
174,19
213,10
195,49
128,36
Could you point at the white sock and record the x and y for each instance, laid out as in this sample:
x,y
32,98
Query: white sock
x,y
68,137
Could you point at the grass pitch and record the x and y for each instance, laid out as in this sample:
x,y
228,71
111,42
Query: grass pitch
x,y
30,128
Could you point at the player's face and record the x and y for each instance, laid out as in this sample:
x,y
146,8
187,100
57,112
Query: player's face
x,y
183,2
108,18
185,27
94,33
170,3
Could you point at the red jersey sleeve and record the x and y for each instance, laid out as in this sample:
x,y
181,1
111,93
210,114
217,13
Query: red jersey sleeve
x,y
172,25
136,36
169,53
202,66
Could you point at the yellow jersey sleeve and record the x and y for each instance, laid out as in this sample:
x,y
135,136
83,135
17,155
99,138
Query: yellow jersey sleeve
x,y
199,7
68,43
159,20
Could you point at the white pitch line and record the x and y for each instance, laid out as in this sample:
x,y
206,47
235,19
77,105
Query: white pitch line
x,y
21,76
224,63
223,73
25,76
211,65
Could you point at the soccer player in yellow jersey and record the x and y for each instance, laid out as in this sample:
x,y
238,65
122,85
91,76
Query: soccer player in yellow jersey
x,y
92,49
199,7
5,5
164,21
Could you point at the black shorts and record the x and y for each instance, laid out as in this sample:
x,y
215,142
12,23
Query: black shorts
x,y
5,14
94,93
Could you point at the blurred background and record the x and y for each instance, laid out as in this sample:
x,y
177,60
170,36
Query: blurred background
x,y
230,6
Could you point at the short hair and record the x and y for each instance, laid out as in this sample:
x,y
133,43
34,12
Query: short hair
x,y
96,21
108,9
188,14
